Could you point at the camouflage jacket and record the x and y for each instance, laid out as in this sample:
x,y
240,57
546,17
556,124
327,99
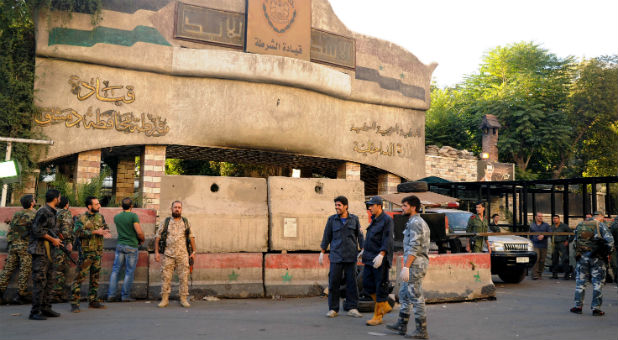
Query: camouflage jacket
x,y
587,232
64,224
19,228
44,220
416,240
85,224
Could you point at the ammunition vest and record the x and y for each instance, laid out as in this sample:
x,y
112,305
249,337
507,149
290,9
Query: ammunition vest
x,y
163,239
91,222
20,226
585,236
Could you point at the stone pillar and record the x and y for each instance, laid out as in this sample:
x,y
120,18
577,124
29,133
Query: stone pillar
x,y
387,183
125,178
152,168
88,167
350,171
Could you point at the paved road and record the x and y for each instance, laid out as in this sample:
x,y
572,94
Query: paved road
x,y
529,310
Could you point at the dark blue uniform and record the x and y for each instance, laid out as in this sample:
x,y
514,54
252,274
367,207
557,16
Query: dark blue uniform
x,y
344,238
379,238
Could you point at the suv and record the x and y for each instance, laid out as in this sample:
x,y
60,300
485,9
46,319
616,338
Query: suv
x,y
511,256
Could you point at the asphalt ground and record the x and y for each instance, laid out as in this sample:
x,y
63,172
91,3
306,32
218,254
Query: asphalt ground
x,y
529,310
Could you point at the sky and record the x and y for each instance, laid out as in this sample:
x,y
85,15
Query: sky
x,y
456,34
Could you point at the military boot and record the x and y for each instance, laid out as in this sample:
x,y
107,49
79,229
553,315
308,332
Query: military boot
x,y
421,330
165,300
184,302
401,326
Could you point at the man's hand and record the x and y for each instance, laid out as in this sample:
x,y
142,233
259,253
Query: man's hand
x,y
405,274
56,242
192,256
540,237
157,257
377,261
321,259
566,243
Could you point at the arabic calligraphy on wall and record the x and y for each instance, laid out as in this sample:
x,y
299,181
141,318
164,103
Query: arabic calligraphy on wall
x,y
209,25
333,49
379,148
146,123
108,93
418,132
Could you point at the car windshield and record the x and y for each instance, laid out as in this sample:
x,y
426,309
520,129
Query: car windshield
x,y
458,221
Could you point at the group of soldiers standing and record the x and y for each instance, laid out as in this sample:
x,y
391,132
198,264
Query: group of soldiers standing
x,y
40,243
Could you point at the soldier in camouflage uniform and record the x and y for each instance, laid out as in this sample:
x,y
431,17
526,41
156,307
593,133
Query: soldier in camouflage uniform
x,y
614,256
90,228
17,239
64,228
477,224
416,260
177,243
590,262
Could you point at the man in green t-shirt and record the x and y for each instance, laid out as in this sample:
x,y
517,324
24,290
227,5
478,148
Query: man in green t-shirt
x,y
130,236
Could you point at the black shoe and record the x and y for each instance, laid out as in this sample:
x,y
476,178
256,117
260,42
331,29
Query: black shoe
x,y
18,300
576,310
554,276
50,313
96,305
2,301
128,300
37,316
75,309
113,299
401,326
598,312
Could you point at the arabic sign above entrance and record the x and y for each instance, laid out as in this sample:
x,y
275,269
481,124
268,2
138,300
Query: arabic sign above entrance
x,y
279,27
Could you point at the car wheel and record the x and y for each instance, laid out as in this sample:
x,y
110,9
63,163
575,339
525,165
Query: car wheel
x,y
515,275
414,186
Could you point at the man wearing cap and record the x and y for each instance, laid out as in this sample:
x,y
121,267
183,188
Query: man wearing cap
x,y
377,259
592,239
343,234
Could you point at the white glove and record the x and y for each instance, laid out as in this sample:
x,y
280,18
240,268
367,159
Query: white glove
x,y
321,259
377,261
405,274
360,255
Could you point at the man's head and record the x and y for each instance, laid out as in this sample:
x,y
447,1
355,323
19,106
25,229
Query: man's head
x,y
176,209
495,218
411,205
480,208
374,205
64,203
52,196
127,203
598,215
538,218
93,205
341,205
555,219
27,201
588,217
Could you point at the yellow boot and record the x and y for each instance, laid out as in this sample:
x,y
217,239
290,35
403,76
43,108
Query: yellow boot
x,y
378,312
165,300
387,307
184,302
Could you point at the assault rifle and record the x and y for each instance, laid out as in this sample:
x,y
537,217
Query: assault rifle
x,y
62,246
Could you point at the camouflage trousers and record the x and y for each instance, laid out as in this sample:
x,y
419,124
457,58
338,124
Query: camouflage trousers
x,y
41,283
89,266
181,263
589,269
59,268
18,257
411,295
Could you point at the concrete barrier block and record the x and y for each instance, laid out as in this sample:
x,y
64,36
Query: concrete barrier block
x,y
227,214
455,277
230,275
299,208
295,274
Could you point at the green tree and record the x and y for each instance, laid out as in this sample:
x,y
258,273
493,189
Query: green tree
x,y
447,121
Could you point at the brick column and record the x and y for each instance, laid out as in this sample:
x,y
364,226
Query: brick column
x,y
349,170
387,183
152,168
88,167
125,177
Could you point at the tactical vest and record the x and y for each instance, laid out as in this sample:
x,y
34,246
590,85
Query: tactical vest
x,y
163,239
585,236
21,223
94,242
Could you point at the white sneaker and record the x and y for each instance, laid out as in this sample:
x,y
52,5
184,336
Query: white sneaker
x,y
355,313
331,314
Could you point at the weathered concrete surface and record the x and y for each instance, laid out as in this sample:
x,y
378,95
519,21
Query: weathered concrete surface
x,y
295,274
455,277
307,203
237,275
234,218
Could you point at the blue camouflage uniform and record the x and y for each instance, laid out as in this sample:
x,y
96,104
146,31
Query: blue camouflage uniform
x,y
589,265
415,243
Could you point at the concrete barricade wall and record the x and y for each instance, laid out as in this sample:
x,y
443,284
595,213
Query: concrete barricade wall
x,y
231,275
455,277
227,214
295,274
299,208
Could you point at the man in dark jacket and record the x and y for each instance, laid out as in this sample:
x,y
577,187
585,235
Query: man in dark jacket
x,y
560,254
343,234
39,247
377,259
540,244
